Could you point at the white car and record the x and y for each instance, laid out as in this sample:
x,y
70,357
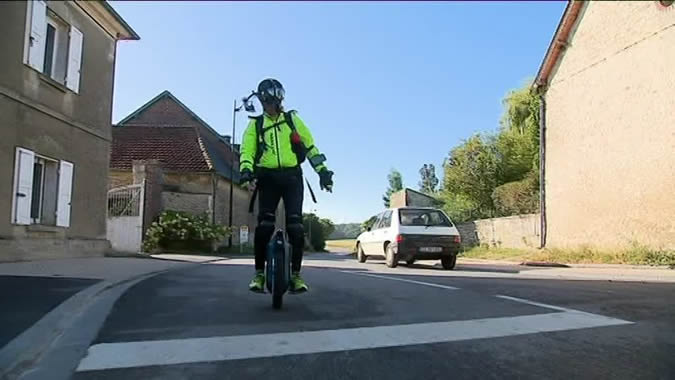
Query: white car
x,y
409,234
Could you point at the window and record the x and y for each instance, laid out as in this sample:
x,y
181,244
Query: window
x,y
376,224
423,217
54,48
42,190
386,220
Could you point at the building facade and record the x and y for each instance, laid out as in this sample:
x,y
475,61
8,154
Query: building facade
x,y
56,86
193,161
608,142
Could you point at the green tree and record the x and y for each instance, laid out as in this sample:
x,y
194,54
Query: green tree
x,y
428,180
518,139
395,184
471,174
317,230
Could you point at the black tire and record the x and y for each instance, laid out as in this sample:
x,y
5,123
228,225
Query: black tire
x,y
392,260
360,255
277,301
449,262
410,262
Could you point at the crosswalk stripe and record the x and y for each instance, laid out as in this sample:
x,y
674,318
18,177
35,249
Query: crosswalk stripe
x,y
180,351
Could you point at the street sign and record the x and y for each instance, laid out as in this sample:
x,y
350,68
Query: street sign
x,y
243,235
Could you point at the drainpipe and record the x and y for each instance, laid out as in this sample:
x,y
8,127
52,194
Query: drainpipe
x,y
214,188
542,167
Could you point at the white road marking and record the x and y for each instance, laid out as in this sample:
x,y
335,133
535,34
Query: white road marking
x,y
404,280
180,351
546,306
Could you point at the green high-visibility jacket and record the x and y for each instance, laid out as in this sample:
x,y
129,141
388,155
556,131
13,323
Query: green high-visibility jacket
x,y
279,153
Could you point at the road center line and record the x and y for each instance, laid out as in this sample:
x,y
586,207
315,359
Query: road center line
x,y
403,280
180,351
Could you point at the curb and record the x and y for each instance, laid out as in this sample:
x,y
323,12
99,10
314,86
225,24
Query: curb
x,y
543,264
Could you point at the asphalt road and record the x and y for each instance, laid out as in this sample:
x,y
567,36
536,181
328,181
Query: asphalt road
x,y
24,300
365,321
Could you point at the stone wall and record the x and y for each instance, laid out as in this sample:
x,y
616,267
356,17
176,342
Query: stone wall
x,y
197,204
610,141
117,178
519,231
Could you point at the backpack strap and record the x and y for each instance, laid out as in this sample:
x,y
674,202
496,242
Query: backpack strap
x,y
288,117
260,136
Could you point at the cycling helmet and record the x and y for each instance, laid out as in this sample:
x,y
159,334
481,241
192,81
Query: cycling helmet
x,y
271,91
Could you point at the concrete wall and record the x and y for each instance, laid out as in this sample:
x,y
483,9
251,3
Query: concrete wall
x,y
610,151
519,231
50,120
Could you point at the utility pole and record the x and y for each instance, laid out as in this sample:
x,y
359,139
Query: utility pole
x,y
234,125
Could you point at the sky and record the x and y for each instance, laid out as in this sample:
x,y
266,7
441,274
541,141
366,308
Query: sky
x,y
381,85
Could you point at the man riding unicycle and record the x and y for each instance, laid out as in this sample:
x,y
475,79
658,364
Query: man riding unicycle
x,y
273,147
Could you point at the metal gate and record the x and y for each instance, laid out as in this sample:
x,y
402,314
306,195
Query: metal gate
x,y
125,218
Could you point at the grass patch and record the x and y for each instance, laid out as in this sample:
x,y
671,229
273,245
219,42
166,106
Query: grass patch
x,y
348,244
635,255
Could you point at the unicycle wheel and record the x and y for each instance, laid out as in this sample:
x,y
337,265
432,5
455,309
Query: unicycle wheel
x,y
277,301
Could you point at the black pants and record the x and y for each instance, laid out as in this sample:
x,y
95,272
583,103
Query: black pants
x,y
274,185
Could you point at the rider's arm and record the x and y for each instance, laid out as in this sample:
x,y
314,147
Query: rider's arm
x,y
314,156
249,145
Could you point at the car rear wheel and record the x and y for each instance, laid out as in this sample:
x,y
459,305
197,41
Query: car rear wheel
x,y
449,262
360,255
392,260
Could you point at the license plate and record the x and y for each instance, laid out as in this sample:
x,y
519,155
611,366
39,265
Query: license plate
x,y
431,249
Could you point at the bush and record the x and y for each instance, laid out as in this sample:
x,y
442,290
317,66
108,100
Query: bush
x,y
317,230
518,197
174,226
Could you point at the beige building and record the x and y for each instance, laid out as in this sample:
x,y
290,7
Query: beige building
x,y
608,141
56,84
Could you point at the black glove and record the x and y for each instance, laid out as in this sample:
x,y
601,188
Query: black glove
x,y
326,180
246,177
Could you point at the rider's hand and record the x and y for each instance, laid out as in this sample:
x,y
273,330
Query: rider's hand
x,y
246,178
326,180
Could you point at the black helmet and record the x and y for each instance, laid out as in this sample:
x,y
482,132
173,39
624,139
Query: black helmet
x,y
271,91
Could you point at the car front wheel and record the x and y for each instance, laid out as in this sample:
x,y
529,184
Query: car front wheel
x,y
449,262
360,255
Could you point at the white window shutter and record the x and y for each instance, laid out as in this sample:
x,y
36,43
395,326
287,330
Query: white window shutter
x,y
38,35
23,185
74,60
64,194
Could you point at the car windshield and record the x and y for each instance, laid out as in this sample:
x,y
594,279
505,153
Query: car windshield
x,y
422,217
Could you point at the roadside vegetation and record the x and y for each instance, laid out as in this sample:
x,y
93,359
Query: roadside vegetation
x,y
635,255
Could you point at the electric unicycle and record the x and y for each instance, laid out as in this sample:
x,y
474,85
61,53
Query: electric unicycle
x,y
278,268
